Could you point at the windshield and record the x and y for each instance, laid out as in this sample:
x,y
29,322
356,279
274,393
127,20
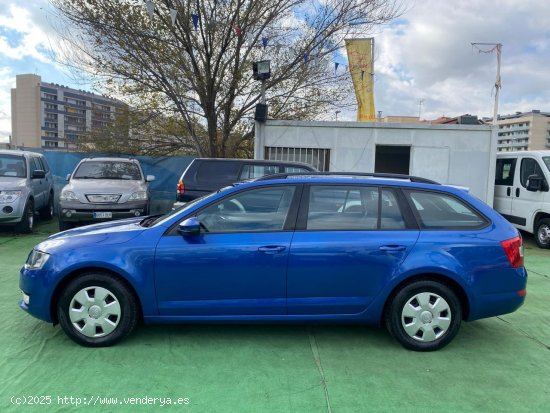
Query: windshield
x,y
546,160
13,165
149,223
108,170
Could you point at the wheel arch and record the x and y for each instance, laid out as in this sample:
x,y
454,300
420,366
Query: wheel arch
x,y
538,216
430,276
68,278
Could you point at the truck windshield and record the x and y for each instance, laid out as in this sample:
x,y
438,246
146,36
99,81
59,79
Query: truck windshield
x,y
108,170
546,160
13,165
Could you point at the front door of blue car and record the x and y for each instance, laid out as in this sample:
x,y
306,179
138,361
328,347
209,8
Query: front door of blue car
x,y
349,241
237,264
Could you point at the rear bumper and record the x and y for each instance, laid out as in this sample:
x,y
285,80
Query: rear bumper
x,y
78,212
500,292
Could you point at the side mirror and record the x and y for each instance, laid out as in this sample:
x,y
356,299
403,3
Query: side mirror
x,y
68,178
534,183
38,174
149,178
191,226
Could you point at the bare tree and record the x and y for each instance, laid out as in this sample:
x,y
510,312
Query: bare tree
x,y
198,71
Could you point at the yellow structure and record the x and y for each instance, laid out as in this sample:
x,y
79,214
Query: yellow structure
x,y
360,61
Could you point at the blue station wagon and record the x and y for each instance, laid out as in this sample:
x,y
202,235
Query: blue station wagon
x,y
399,251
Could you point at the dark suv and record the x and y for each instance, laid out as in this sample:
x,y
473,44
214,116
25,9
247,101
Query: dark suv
x,y
205,175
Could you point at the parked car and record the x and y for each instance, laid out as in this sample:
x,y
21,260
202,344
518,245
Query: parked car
x,y
205,175
416,256
101,189
522,192
26,187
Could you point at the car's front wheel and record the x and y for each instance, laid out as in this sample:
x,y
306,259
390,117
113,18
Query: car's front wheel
x,y
97,310
542,233
26,225
424,315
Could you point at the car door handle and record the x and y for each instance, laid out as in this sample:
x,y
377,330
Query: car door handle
x,y
272,249
508,191
392,248
517,192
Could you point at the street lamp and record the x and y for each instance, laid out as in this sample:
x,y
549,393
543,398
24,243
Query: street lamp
x,y
261,71
337,112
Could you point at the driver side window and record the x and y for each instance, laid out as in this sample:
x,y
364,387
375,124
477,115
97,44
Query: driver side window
x,y
256,210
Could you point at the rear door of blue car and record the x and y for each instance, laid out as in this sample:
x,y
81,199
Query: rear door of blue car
x,y
349,241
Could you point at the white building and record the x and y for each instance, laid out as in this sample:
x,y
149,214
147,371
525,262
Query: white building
x,y
461,155
48,115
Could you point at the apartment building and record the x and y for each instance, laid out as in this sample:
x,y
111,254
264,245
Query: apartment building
x,y
524,131
52,116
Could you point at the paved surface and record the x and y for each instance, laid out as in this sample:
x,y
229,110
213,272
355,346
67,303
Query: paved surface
x,y
494,365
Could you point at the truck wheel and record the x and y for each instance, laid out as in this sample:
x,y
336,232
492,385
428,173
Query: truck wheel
x,y
542,233
26,225
47,211
424,315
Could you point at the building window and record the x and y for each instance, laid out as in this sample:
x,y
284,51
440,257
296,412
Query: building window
x,y
316,157
50,144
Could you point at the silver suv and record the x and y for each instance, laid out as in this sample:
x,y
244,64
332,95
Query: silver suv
x,y
102,189
26,186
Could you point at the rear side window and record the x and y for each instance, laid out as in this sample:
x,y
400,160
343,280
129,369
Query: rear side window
x,y
504,174
257,171
343,208
218,171
441,211
390,213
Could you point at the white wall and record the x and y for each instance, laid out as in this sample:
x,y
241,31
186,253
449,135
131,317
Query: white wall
x,y
451,154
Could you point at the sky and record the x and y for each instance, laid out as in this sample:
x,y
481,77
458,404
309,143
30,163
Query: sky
x,y
425,53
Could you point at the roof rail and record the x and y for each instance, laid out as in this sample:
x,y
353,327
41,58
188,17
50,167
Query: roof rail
x,y
411,178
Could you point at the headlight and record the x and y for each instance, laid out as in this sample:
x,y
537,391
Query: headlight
x,y
138,196
68,196
36,259
9,196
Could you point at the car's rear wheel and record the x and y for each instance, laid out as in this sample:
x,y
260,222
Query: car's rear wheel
x,y
97,310
47,211
26,225
424,315
542,233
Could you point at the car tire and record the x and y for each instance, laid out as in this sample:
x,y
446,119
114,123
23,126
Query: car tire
x,y
26,225
542,233
47,211
424,315
97,310
64,225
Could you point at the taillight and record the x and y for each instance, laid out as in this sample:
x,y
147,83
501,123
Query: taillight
x,y
514,251
180,188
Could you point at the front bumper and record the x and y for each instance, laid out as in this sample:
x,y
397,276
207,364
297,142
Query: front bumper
x,y
11,213
79,212
36,284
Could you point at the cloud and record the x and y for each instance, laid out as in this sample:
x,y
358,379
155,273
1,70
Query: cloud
x,y
427,54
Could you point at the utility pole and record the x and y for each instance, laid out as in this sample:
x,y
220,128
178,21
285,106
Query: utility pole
x,y
494,132
420,103
498,48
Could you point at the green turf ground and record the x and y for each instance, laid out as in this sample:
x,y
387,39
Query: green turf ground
x,y
494,365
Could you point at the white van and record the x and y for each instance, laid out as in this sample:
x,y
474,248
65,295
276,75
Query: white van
x,y
522,192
